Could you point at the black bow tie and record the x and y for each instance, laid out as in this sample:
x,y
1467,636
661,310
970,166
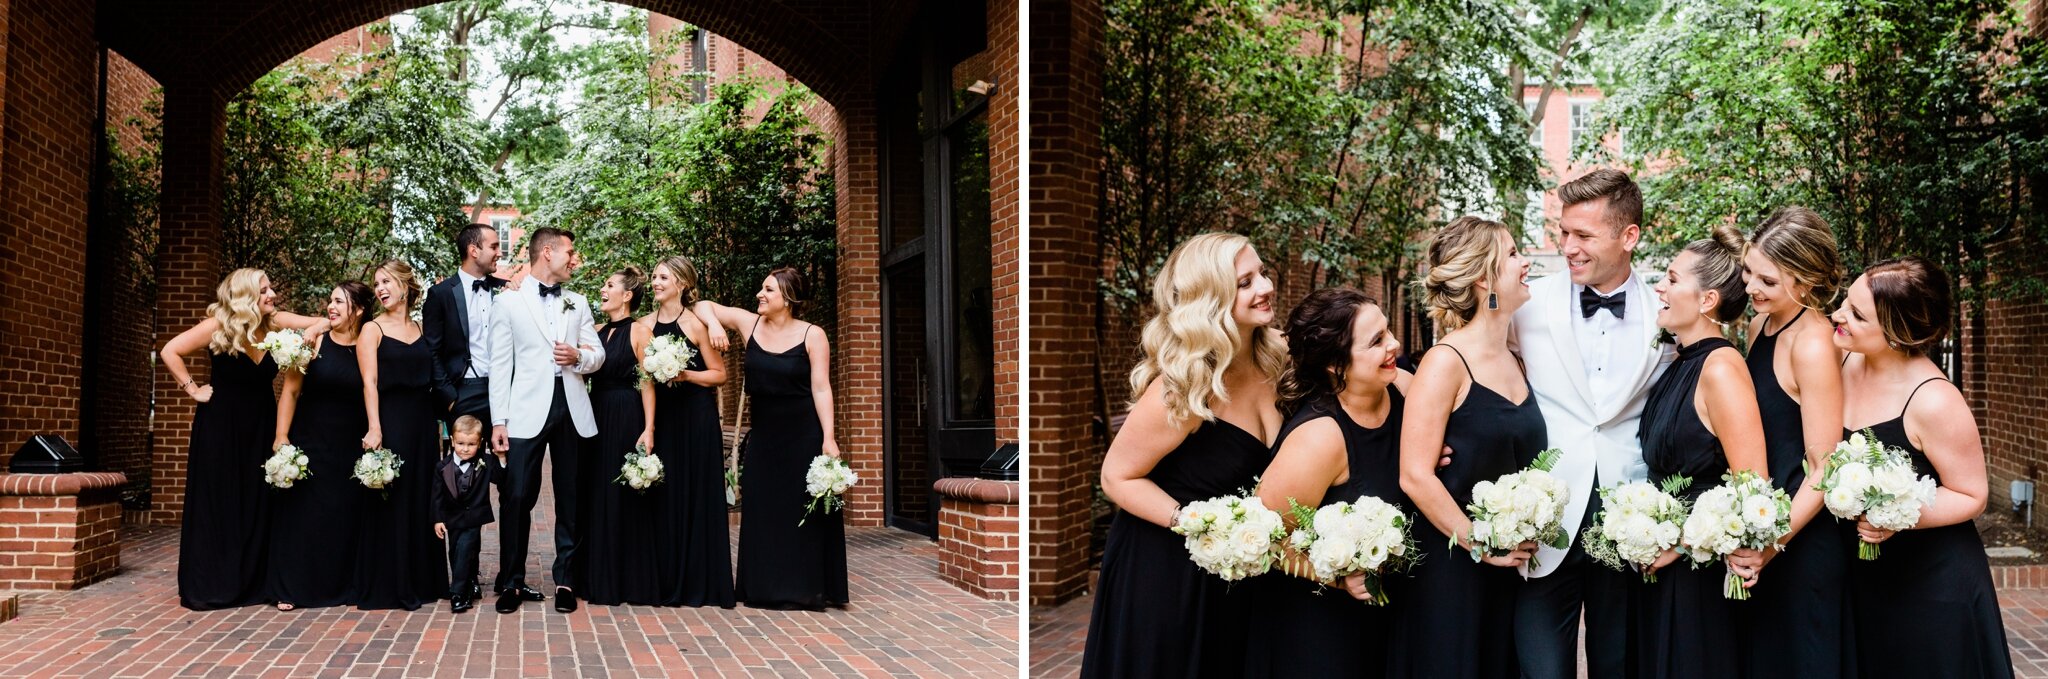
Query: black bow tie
x,y
485,283
550,290
1591,302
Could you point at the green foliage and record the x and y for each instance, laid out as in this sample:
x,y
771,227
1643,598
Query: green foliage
x,y
1913,127
130,197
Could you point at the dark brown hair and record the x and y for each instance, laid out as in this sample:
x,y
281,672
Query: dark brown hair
x,y
635,284
470,236
1624,199
792,284
359,297
543,237
1319,342
1720,269
1912,297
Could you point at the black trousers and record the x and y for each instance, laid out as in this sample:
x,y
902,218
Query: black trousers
x,y
464,547
521,491
1547,616
473,398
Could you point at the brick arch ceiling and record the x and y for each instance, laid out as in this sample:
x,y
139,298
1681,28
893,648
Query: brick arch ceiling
x,y
226,44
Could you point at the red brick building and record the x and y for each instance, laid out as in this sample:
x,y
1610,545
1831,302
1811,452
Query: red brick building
x,y
915,239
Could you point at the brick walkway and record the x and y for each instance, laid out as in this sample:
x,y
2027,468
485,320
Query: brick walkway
x,y
904,621
1058,634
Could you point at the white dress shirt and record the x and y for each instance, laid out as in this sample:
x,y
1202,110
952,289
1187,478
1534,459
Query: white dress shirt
x,y
1600,335
479,324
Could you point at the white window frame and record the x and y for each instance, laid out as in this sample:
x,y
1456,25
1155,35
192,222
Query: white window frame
x,y
503,225
1581,112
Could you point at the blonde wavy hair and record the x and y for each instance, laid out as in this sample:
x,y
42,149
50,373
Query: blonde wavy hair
x,y
1463,253
238,306
1191,337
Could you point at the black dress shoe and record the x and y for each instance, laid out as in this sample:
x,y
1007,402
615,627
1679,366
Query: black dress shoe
x,y
508,602
565,600
460,604
524,592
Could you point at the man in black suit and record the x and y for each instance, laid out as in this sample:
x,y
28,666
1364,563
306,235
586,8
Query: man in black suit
x,y
461,507
455,321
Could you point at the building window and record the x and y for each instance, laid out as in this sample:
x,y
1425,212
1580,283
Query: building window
x,y
1582,116
504,227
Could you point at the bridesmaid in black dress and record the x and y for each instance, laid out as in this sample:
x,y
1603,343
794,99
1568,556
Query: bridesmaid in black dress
x,y
1798,616
326,412
1156,614
1457,614
225,534
1700,421
619,563
784,565
1342,443
695,544
398,559
1925,607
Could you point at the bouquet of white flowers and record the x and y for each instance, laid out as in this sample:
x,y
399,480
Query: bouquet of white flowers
x,y
1864,478
1232,536
1519,507
1745,512
732,484
377,468
827,481
1637,522
667,356
286,467
641,471
1341,538
289,348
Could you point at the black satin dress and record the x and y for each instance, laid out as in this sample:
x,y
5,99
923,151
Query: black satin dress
x,y
1459,617
313,537
695,542
1798,612
1926,606
1156,613
1306,629
784,565
225,536
1684,625
399,561
617,552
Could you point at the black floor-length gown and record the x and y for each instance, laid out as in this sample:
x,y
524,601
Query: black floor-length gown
x,y
1461,619
225,536
1685,626
1156,613
784,565
1926,606
313,537
1304,628
399,562
619,528
695,540
1797,615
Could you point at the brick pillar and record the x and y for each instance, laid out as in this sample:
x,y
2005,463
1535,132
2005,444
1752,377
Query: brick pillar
x,y
1066,76
51,91
59,531
978,537
187,271
857,344
1004,200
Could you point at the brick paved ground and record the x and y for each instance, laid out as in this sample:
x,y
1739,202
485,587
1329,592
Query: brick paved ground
x,y
1058,634
904,621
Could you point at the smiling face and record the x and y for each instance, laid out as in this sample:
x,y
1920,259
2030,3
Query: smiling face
x,y
1595,253
612,297
769,299
1253,306
389,294
666,286
1373,351
1683,302
1856,327
1770,289
558,259
266,297
1511,274
338,307
485,252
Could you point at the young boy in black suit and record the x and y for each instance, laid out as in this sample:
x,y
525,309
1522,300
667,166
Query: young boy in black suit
x,y
462,505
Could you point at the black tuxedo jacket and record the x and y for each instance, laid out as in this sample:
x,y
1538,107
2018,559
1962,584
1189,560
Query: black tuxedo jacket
x,y
444,322
459,509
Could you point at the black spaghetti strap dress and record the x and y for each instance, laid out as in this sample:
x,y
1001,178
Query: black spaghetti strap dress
x,y
1306,629
616,552
1156,613
225,536
1926,606
783,565
1684,625
313,537
1459,617
1798,612
399,562
695,542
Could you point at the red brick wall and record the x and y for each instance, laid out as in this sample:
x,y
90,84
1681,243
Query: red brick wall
x,y
115,417
51,91
1004,201
857,346
2005,353
188,269
58,541
1066,77
978,539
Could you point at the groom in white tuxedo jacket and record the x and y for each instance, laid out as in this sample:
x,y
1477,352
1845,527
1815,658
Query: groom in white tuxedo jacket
x,y
1588,339
542,344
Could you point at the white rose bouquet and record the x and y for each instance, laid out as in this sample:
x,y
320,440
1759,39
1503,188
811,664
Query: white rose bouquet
x,y
377,468
1745,512
1864,478
285,467
1519,507
667,356
641,471
289,348
1341,538
827,481
1232,536
1637,522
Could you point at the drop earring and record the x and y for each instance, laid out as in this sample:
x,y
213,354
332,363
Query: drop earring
x,y
1492,301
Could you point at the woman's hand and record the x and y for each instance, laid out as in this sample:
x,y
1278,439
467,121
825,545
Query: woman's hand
x,y
280,443
832,449
1747,563
1354,585
374,439
1667,558
199,392
646,440
1515,558
1872,534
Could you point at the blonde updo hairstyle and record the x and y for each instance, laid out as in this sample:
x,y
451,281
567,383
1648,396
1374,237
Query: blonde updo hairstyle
x,y
1799,242
686,276
1463,253
238,307
1718,267
402,273
1192,336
